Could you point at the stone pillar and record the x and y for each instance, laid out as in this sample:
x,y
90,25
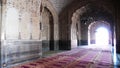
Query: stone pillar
x,y
56,36
117,21
0,25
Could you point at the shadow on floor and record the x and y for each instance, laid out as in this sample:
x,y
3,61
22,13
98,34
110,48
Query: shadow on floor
x,y
50,53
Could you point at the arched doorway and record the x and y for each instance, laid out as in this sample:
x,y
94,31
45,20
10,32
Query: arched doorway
x,y
101,36
47,30
53,24
76,27
99,32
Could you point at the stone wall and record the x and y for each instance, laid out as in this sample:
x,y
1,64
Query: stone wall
x,y
17,51
21,34
26,30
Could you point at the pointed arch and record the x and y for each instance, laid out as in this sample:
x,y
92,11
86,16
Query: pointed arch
x,y
47,4
92,30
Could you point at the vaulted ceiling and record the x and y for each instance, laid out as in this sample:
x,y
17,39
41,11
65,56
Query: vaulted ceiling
x,y
60,4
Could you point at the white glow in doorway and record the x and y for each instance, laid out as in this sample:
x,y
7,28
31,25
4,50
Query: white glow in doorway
x,y
102,36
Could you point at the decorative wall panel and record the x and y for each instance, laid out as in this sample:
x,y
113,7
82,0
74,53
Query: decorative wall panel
x,y
24,16
18,51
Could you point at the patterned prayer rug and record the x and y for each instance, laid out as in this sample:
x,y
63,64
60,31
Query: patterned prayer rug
x,y
75,58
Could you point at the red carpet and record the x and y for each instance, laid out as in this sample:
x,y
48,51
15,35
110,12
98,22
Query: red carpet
x,y
75,58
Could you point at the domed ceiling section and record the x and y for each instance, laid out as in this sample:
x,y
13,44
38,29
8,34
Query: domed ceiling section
x,y
60,4
94,13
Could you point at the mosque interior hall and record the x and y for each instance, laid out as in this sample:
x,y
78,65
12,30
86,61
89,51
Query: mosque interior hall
x,y
59,34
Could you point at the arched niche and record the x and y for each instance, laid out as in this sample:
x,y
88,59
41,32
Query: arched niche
x,y
46,30
12,24
25,26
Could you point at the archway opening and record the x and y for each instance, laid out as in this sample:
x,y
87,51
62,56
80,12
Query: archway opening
x,y
101,36
47,30
99,33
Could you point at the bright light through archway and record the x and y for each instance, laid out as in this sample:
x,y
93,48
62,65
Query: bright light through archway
x,y
102,36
